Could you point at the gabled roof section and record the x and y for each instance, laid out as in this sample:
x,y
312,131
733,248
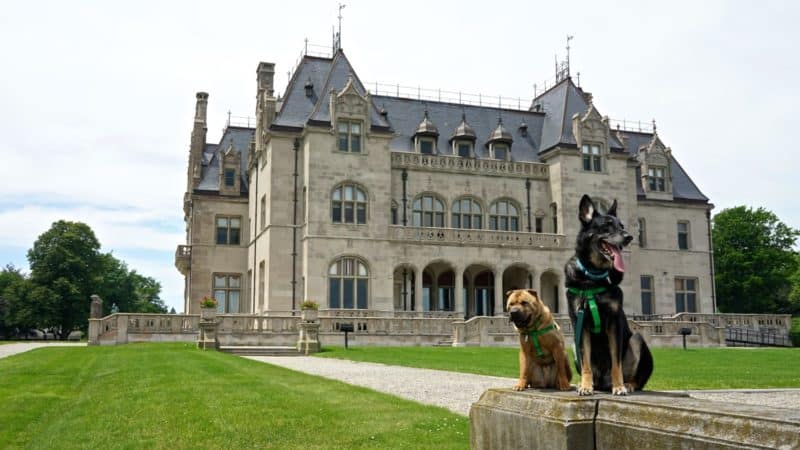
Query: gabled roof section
x,y
560,103
296,107
233,138
340,71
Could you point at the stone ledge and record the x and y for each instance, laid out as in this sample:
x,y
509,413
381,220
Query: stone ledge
x,y
541,419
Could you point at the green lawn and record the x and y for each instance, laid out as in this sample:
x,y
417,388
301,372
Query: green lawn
x,y
675,368
173,396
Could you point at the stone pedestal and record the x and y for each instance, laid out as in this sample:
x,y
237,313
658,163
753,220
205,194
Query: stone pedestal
x,y
308,341
504,419
208,335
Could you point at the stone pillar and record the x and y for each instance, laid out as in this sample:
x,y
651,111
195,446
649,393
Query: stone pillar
x,y
460,306
95,315
308,341
418,290
207,340
96,310
122,329
498,292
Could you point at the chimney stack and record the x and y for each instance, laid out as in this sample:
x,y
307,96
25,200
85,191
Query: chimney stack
x,y
201,108
266,77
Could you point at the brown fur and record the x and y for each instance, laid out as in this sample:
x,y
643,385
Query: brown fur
x,y
553,369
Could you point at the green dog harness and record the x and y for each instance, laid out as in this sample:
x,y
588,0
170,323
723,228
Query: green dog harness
x,y
534,334
590,296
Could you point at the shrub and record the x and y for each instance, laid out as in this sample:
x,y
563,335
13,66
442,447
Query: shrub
x,y
208,302
309,304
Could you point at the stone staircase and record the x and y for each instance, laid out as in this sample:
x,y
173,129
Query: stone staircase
x,y
251,350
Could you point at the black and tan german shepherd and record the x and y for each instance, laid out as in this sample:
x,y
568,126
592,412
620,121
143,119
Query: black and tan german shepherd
x,y
611,357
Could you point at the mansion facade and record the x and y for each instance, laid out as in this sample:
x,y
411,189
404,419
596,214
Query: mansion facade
x,y
391,206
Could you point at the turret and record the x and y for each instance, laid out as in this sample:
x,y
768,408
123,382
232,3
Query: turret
x,y
198,141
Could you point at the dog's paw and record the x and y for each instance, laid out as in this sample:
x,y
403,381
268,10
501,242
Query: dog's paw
x,y
585,390
564,385
619,390
519,387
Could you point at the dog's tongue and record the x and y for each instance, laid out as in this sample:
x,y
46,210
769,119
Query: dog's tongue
x,y
619,262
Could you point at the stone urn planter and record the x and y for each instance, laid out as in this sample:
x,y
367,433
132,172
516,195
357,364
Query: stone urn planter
x,y
309,315
208,313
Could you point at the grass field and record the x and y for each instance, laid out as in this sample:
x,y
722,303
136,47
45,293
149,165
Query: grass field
x,y
173,396
675,368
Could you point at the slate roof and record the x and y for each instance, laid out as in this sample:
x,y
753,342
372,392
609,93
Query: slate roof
x,y
240,138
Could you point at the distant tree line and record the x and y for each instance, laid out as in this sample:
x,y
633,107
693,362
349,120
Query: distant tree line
x,y
66,268
757,267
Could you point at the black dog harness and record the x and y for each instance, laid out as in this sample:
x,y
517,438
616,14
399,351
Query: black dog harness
x,y
590,296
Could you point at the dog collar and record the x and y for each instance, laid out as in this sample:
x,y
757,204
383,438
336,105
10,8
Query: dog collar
x,y
534,334
596,276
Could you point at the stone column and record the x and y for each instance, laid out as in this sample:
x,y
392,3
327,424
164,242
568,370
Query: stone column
x,y
308,341
95,319
498,292
460,306
418,290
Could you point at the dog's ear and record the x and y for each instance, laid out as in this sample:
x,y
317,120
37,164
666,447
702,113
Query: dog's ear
x,y
508,292
587,210
612,211
533,293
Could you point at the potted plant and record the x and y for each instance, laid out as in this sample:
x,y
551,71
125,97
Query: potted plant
x,y
309,311
208,308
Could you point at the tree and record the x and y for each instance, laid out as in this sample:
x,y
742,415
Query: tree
x,y
66,260
126,288
754,260
794,294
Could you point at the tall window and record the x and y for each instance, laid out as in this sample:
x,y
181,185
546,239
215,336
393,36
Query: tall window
x,y
228,230
591,158
656,179
230,177
554,215
348,204
503,216
646,282
500,151
539,224
683,235
264,211
464,149
261,276
427,145
347,284
428,211
642,232
467,213
227,288
349,136
685,294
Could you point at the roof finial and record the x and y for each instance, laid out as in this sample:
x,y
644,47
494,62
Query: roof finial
x,y
654,126
339,33
569,38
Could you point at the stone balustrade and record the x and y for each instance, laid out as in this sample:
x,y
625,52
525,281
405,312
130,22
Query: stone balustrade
x,y
458,236
457,164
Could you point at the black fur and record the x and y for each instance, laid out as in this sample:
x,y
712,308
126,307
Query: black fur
x,y
599,230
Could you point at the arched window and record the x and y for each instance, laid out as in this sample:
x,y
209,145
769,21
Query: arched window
x,y
348,204
428,211
347,283
504,216
467,213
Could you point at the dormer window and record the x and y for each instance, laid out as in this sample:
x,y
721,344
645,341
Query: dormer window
x,y
463,139
655,180
230,177
500,151
427,145
592,160
464,149
349,136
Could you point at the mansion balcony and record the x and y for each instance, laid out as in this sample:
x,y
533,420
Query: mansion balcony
x,y
487,238
183,258
457,164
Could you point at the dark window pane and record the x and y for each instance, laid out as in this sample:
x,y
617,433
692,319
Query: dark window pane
x,y
343,142
467,222
230,177
361,213
463,150
661,184
334,292
427,219
394,216
597,167
683,242
426,147
679,302
645,282
514,224
361,286
476,222
440,220
492,222
336,212
647,303
456,221
416,219
504,223
587,163
348,293
355,144
690,284
222,235
348,212
652,184
690,302
539,225
234,236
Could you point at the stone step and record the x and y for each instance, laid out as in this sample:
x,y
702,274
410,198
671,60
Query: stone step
x,y
252,350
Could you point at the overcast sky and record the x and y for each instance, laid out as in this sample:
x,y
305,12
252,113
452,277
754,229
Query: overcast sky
x,y
97,98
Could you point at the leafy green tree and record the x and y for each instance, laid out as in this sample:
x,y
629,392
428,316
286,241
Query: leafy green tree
x,y
753,259
129,290
794,295
8,276
66,260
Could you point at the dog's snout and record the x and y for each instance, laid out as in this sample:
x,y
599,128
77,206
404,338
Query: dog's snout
x,y
627,238
515,313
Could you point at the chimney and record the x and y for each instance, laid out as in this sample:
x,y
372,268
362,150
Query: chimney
x,y
266,104
201,108
266,78
198,141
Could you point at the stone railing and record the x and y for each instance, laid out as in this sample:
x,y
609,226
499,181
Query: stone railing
x,y
457,236
457,164
779,324
387,331
121,328
257,330
365,313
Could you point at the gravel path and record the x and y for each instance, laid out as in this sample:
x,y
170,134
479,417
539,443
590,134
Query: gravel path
x,y
13,349
457,391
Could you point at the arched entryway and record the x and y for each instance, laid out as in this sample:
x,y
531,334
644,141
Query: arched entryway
x,y
403,287
438,287
550,291
479,286
516,276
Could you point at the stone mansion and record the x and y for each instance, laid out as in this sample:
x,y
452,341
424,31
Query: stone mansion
x,y
390,206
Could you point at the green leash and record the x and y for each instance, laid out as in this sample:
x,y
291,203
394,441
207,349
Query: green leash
x,y
535,338
590,296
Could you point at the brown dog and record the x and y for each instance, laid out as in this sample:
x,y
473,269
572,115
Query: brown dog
x,y
543,362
